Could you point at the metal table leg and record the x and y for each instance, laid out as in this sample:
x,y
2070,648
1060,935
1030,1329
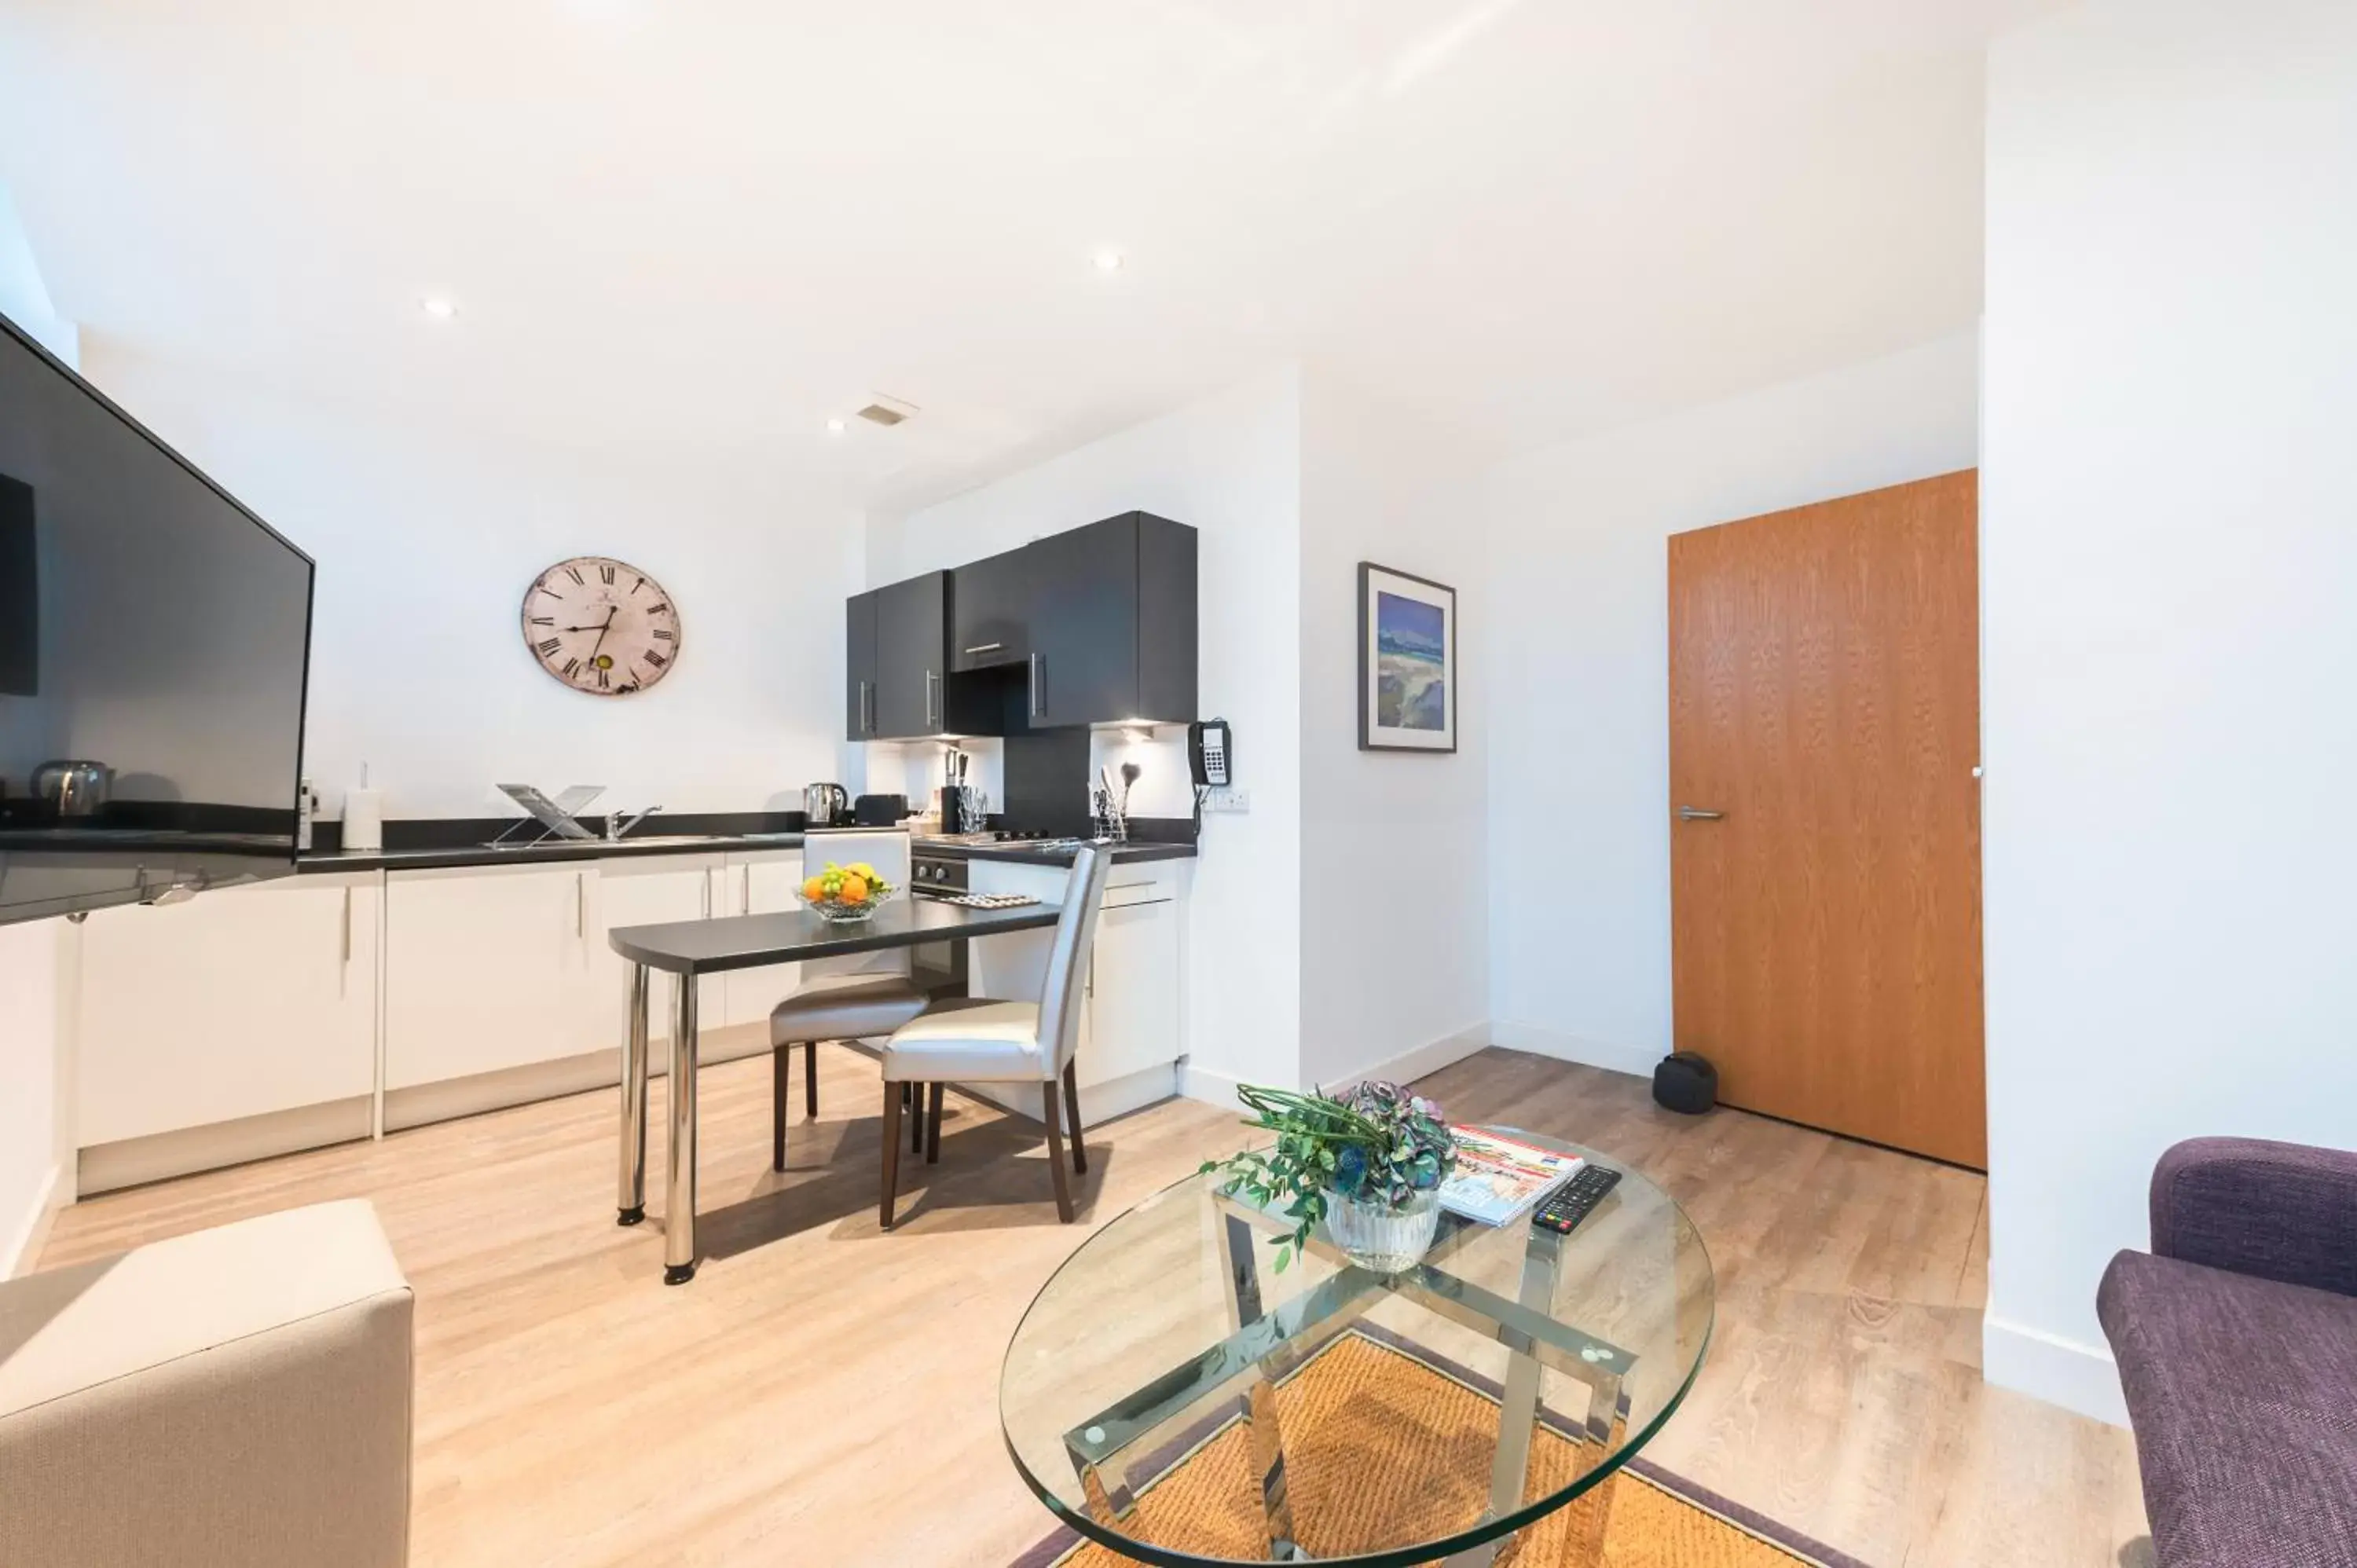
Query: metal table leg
x,y
679,1187
630,1197
1518,1406
1260,1408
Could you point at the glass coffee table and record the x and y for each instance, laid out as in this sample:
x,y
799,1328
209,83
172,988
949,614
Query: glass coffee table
x,y
1174,1398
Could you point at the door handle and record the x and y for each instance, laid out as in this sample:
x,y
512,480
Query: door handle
x,y
986,648
1039,685
1697,814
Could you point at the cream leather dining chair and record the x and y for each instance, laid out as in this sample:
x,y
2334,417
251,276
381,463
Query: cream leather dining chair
x,y
856,997
978,1040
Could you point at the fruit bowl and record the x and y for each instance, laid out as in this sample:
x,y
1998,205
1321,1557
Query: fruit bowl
x,y
847,893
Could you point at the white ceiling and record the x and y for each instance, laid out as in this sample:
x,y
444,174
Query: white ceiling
x,y
702,227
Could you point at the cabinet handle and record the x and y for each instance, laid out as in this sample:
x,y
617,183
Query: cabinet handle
x,y
581,905
932,700
744,888
348,926
1039,685
1092,988
867,707
986,648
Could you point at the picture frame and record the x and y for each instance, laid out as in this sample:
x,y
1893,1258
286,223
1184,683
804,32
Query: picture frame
x,y
1409,694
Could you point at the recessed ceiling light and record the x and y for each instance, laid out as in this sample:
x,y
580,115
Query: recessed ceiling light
x,y
835,428
437,308
1109,260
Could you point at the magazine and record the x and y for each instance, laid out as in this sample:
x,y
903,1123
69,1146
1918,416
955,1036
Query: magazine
x,y
1498,1178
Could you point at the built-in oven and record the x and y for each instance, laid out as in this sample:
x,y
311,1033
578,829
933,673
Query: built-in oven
x,y
941,966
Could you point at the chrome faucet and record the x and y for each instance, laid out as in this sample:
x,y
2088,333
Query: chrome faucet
x,y
617,824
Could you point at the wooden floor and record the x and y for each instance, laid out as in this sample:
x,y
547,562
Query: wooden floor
x,y
824,1393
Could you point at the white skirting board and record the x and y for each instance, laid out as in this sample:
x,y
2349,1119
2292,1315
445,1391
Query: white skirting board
x,y
20,1247
2081,1378
1639,1061
1417,1061
1099,1103
1217,1088
133,1162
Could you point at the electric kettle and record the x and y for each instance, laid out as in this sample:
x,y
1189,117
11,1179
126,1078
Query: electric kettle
x,y
825,804
73,788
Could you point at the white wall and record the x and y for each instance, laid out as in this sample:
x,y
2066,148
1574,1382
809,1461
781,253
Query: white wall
x,y
30,1097
1230,466
1395,919
24,297
1576,646
32,1140
2168,567
426,542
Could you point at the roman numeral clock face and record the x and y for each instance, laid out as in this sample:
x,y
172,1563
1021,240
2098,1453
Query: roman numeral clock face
x,y
601,627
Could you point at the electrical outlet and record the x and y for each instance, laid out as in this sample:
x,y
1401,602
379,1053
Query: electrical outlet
x,y
1228,800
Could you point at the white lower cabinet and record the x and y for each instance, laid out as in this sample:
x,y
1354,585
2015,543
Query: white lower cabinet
x,y
1134,990
239,1024
488,970
317,1007
760,882
1130,1023
650,890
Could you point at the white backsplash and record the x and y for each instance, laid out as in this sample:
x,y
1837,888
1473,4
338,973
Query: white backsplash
x,y
913,769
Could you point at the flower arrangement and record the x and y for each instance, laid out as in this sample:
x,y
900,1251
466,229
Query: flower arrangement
x,y
1376,1143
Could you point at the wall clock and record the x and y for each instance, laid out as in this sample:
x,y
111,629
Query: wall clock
x,y
602,626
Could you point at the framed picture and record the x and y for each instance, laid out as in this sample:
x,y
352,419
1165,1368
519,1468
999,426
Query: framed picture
x,y
1407,663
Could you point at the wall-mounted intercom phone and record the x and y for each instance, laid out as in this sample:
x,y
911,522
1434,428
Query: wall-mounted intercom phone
x,y
1210,748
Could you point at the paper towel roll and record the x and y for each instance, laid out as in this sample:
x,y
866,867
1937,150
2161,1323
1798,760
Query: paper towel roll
x,y
363,818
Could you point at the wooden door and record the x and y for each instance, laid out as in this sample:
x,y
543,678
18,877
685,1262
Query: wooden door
x,y
1824,697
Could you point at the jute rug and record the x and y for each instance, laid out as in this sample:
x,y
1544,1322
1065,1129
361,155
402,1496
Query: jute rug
x,y
1377,1433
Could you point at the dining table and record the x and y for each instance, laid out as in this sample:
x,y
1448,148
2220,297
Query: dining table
x,y
688,949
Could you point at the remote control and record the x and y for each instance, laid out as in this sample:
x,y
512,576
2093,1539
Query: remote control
x,y
1573,1201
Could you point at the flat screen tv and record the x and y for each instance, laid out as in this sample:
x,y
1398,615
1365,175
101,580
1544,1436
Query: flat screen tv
x,y
155,637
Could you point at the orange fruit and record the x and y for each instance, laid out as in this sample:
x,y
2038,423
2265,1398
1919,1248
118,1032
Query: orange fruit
x,y
855,890
815,889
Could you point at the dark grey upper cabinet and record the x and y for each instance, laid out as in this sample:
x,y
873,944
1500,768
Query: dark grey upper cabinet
x,y
990,612
895,660
859,666
1107,628
911,659
1092,626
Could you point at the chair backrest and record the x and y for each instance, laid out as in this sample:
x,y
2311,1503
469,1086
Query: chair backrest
x,y
1067,958
885,849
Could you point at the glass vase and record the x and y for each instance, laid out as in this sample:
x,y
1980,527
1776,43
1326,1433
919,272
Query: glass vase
x,y
1377,1236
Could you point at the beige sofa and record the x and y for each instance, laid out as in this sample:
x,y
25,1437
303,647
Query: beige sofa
x,y
238,1397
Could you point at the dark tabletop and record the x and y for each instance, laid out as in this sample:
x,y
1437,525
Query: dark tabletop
x,y
749,941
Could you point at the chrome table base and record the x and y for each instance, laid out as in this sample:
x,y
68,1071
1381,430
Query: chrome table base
x,y
679,1177
1269,1343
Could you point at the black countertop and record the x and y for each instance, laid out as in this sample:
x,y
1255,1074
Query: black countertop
x,y
557,850
750,942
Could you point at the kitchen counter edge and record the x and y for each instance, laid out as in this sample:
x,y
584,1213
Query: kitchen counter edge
x,y
561,850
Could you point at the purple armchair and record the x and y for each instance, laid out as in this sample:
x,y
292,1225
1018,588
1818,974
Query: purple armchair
x,y
2237,1339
